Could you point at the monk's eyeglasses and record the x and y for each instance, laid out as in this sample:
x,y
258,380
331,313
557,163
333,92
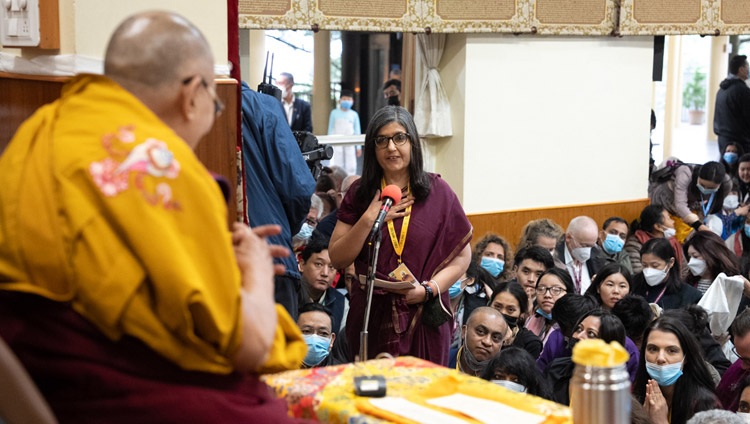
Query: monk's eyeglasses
x,y
218,104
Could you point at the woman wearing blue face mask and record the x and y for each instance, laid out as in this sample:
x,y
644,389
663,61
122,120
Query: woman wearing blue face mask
x,y
493,253
730,158
695,192
673,382
514,369
660,280
471,291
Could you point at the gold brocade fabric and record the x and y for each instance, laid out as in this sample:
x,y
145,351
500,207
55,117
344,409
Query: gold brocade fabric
x,y
327,393
104,206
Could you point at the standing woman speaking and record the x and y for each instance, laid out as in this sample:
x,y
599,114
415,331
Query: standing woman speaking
x,y
426,234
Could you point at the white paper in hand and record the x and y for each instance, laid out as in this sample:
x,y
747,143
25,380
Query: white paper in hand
x,y
721,300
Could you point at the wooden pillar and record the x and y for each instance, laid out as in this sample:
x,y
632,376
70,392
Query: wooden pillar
x,y
321,97
716,74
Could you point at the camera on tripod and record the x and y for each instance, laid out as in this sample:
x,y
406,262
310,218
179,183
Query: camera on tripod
x,y
312,151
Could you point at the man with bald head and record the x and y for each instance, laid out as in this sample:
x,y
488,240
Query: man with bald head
x,y
121,289
574,252
483,336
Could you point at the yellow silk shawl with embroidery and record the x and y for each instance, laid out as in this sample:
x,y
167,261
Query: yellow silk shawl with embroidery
x,y
104,206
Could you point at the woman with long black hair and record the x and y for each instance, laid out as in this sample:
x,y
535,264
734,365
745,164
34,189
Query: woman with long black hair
x,y
660,281
673,381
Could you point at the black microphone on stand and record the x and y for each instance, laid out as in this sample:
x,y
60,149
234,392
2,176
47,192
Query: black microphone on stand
x,y
391,194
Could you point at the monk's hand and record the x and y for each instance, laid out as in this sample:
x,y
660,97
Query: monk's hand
x,y
253,253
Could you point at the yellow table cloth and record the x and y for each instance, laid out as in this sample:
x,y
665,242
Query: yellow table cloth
x,y
327,394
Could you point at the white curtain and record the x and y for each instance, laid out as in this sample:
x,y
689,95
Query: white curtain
x,y
432,111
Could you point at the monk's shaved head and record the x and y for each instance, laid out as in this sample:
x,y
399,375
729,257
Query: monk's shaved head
x,y
155,48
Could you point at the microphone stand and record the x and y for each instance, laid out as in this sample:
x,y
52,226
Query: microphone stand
x,y
374,242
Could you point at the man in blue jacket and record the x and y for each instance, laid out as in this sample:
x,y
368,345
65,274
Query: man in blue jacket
x,y
278,183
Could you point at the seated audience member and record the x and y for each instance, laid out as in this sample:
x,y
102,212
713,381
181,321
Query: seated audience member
x,y
743,400
493,253
544,233
610,285
328,223
731,218
716,416
695,319
137,308
611,240
574,252
324,183
513,368
329,203
597,324
317,276
730,159
315,322
568,310
510,300
635,314
654,222
708,256
660,281
483,336
311,221
528,265
473,290
550,287
729,388
673,381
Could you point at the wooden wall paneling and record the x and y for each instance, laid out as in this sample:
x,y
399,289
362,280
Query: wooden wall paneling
x,y
510,223
218,149
49,24
21,95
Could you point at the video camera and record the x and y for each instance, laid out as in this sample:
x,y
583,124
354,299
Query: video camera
x,y
312,151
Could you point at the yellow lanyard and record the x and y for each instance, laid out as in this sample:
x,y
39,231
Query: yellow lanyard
x,y
398,242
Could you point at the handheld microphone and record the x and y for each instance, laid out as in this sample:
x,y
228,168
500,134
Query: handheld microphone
x,y
391,194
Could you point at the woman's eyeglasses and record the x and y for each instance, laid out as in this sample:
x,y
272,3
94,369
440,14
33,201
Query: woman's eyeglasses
x,y
555,291
399,139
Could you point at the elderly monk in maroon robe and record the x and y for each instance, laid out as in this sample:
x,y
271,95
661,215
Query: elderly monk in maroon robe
x,y
122,291
426,235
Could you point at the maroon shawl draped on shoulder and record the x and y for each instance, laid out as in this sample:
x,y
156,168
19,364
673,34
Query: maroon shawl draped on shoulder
x,y
87,378
437,232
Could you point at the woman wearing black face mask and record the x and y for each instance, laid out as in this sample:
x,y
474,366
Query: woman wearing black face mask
x,y
508,298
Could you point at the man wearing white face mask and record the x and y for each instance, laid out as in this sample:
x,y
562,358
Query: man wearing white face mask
x,y
298,112
574,252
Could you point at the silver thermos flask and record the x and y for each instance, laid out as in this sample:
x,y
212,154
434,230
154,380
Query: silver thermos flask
x,y
600,395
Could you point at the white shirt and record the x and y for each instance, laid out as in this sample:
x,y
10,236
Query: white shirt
x,y
289,109
579,272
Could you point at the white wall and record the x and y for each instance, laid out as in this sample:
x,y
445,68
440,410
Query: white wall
x,y
544,121
85,25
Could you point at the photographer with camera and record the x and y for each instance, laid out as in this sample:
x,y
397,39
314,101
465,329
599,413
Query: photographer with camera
x,y
278,183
